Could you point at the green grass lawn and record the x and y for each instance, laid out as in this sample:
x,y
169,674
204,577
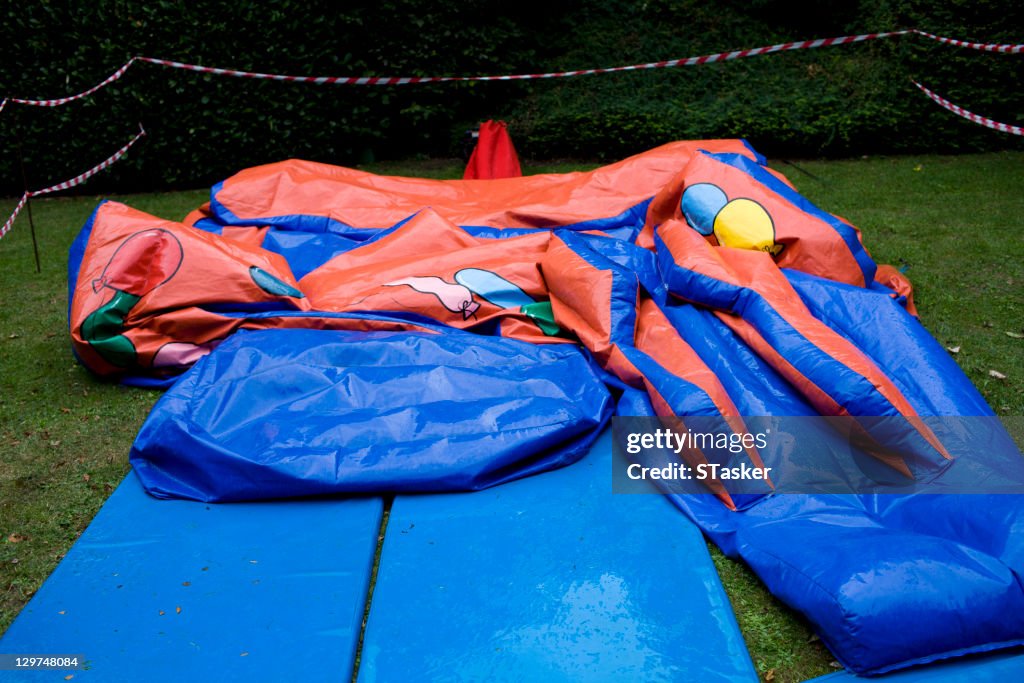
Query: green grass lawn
x,y
955,223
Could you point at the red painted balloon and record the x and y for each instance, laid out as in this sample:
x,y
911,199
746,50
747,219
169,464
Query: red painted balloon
x,y
142,263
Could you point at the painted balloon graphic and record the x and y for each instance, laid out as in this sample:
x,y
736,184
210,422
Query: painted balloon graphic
x,y
182,354
273,285
507,294
744,224
740,223
141,263
456,298
700,204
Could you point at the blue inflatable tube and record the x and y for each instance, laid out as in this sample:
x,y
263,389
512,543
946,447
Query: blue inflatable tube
x,y
285,413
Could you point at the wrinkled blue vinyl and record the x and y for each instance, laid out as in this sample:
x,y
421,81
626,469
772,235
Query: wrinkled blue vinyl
x,y
284,413
888,581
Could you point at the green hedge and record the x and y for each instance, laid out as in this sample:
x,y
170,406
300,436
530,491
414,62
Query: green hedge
x,y
847,100
840,101
204,127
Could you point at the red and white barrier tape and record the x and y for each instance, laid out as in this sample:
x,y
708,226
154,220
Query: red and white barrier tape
x,y
970,116
17,210
392,80
77,180
1007,48
407,80
71,98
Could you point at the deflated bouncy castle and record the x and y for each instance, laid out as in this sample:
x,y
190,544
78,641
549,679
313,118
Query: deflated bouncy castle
x,y
322,330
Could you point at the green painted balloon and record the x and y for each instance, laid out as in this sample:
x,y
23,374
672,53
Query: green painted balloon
x,y
542,314
103,327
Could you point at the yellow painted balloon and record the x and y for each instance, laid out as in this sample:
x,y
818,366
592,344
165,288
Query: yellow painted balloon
x,y
744,224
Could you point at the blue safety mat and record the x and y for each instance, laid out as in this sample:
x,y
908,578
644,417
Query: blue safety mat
x,y
267,592
550,578
999,668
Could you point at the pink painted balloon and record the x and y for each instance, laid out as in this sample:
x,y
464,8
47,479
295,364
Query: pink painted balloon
x,y
455,298
181,354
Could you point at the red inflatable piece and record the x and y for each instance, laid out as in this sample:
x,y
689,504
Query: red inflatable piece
x,y
494,156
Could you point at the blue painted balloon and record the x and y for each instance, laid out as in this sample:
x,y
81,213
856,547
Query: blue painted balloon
x,y
700,204
493,287
273,285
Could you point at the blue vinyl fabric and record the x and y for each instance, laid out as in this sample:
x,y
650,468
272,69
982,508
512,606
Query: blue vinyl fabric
x,y
266,592
888,581
996,668
282,413
554,579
